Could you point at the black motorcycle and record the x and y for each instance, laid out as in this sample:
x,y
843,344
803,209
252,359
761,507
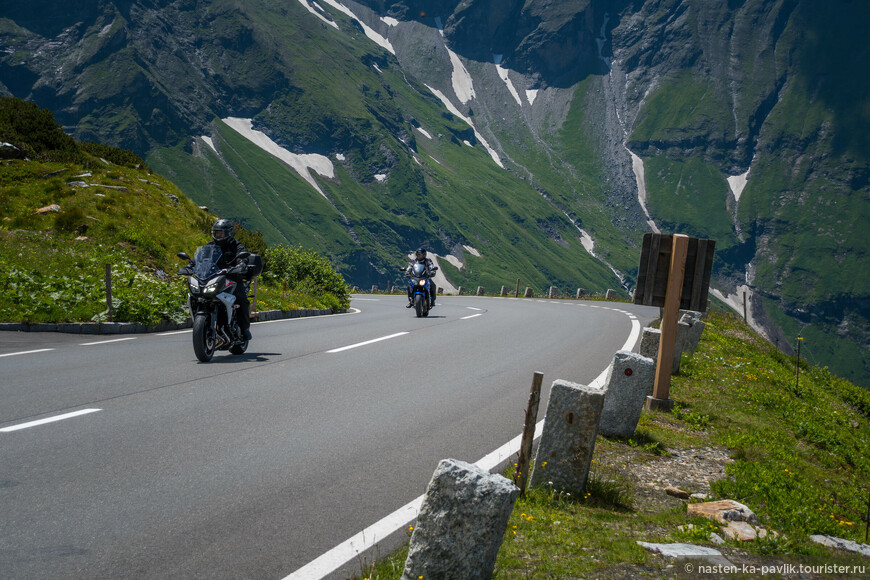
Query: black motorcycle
x,y
212,303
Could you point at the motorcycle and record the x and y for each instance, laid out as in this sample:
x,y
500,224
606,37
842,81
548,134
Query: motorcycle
x,y
211,302
420,284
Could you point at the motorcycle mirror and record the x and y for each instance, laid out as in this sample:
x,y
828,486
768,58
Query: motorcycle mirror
x,y
243,255
183,256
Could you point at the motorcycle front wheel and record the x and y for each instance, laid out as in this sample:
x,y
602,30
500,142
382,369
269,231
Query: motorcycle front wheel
x,y
203,338
239,348
418,305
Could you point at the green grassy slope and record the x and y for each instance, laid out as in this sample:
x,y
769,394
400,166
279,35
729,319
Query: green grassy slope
x,y
792,447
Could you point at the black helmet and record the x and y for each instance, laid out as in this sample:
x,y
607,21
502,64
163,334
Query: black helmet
x,y
222,231
420,253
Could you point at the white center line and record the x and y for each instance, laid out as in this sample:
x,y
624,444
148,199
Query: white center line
x,y
473,308
472,316
48,420
366,342
107,341
26,352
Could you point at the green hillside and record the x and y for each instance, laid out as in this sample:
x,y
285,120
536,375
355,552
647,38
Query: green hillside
x,y
70,209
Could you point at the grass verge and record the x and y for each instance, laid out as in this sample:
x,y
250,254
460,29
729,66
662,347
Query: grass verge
x,y
790,441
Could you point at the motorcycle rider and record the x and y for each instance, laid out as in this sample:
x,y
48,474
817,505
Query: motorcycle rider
x,y
420,258
222,233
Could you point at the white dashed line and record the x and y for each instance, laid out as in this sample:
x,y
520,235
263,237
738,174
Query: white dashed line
x,y
350,346
48,420
107,341
26,352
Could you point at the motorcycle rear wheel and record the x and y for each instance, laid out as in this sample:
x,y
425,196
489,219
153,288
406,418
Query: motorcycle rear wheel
x,y
203,338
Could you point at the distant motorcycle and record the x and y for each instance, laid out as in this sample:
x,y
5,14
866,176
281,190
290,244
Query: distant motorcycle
x,y
419,282
211,301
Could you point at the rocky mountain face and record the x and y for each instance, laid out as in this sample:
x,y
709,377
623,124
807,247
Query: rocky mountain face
x,y
535,139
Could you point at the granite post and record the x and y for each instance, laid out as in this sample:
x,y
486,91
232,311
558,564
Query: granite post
x,y
461,524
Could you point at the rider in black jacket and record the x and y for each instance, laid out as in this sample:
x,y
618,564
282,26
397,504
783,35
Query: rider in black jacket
x,y
222,233
420,257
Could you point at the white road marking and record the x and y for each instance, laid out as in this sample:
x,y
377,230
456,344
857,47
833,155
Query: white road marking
x,y
48,420
107,341
26,352
472,316
350,346
473,308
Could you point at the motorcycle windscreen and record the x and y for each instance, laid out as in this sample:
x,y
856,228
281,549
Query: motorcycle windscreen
x,y
206,261
418,270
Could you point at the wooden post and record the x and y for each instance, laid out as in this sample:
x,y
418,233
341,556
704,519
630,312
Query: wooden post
x,y
745,317
517,291
660,398
109,291
521,475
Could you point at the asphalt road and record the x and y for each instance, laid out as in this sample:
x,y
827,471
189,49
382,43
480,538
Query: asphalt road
x,y
252,466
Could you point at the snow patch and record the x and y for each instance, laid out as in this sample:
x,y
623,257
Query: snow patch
x,y
531,95
503,73
454,261
389,21
472,251
209,142
368,30
301,164
587,242
456,112
311,9
340,156
105,29
462,84
637,168
737,183
424,132
381,177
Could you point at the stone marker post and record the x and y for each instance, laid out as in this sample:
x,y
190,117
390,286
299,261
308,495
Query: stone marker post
x,y
503,291
568,440
480,291
528,292
629,379
461,523
581,292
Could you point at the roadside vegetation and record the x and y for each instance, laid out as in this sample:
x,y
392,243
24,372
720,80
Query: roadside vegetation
x,y
69,209
790,441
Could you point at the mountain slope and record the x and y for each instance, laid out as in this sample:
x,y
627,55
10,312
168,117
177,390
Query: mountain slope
x,y
544,136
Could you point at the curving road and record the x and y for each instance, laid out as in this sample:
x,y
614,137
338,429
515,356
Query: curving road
x,y
124,457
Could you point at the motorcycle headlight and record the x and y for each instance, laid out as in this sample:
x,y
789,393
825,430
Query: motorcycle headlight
x,y
422,282
193,285
212,288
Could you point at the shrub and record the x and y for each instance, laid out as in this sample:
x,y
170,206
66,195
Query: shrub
x,y
305,271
